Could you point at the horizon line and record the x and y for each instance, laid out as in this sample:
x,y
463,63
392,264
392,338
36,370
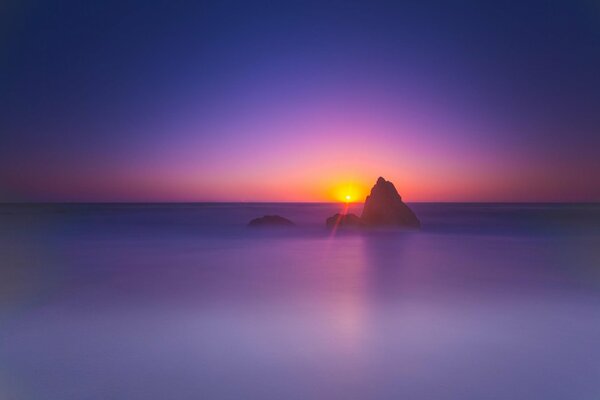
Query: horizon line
x,y
67,202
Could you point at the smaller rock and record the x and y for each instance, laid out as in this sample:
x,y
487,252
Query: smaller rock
x,y
270,220
344,220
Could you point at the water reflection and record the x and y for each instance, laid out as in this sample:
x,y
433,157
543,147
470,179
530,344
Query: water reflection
x,y
121,311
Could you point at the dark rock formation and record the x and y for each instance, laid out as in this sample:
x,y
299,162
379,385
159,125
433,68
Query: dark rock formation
x,y
270,220
384,207
344,220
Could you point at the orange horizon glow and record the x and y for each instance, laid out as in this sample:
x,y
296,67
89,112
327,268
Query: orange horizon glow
x,y
323,155
428,186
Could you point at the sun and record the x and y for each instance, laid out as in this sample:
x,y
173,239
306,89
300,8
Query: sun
x,y
347,192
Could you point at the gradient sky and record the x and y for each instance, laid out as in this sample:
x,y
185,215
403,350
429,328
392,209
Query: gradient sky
x,y
299,101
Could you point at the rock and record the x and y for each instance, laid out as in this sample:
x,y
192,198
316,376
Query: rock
x,y
384,207
270,220
344,220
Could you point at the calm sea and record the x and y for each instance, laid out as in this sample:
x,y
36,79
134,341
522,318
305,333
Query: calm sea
x,y
183,301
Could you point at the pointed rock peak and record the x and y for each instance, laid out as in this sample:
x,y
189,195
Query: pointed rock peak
x,y
384,206
385,188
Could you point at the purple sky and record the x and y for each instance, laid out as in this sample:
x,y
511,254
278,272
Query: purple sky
x,y
302,101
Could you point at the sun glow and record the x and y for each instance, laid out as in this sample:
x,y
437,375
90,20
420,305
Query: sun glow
x,y
348,192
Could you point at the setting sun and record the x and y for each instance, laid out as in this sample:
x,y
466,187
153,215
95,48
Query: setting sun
x,y
348,191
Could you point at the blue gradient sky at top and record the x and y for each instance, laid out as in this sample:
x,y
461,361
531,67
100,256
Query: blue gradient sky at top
x,y
245,100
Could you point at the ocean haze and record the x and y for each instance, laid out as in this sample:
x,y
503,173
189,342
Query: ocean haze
x,y
185,301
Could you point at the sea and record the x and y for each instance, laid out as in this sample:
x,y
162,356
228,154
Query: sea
x,y
185,301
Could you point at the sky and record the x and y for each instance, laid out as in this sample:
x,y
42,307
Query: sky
x,y
299,100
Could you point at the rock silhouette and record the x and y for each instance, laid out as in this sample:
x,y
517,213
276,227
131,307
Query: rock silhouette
x,y
344,220
384,207
270,220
